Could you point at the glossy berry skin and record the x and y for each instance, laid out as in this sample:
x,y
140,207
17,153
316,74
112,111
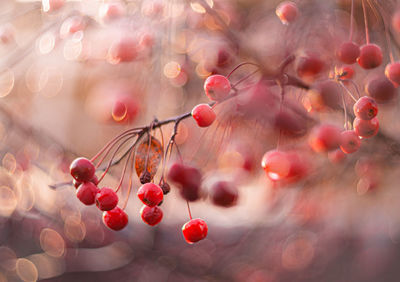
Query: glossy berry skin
x,y
348,52
350,142
82,169
392,72
381,89
366,128
52,5
217,87
345,72
150,194
151,215
370,56
325,138
276,164
287,12
204,115
309,66
86,193
106,199
224,194
194,230
365,108
115,219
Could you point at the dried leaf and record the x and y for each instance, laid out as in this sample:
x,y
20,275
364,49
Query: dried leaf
x,y
153,156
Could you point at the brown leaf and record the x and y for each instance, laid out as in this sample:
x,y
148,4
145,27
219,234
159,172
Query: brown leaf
x,y
153,156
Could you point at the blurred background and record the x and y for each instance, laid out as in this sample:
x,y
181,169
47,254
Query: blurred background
x,y
64,64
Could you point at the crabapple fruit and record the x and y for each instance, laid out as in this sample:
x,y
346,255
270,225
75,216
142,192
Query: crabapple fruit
x,y
194,230
381,89
203,114
287,12
106,199
151,215
217,87
365,108
150,194
350,142
82,169
86,193
325,138
392,72
224,194
370,56
366,128
348,52
115,219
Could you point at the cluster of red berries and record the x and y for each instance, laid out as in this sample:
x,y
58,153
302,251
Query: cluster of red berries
x,y
106,199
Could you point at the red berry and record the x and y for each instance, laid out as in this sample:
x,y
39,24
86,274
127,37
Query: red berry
x,y
350,142
82,169
150,194
115,219
365,108
123,50
370,56
224,194
119,110
151,215
217,87
345,72
276,164
325,138
348,52
176,172
381,89
106,199
309,66
366,128
194,230
392,72
396,21
287,12
86,193
325,94
203,114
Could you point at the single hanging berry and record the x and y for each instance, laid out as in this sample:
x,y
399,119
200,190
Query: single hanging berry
x,y
287,12
151,215
370,56
106,199
365,108
366,128
348,52
203,114
217,87
150,194
115,219
194,230
82,169
392,72
350,142
86,193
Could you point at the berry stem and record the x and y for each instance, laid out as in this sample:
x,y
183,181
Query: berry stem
x,y
130,183
245,78
240,65
348,91
345,112
351,21
365,22
130,156
188,207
